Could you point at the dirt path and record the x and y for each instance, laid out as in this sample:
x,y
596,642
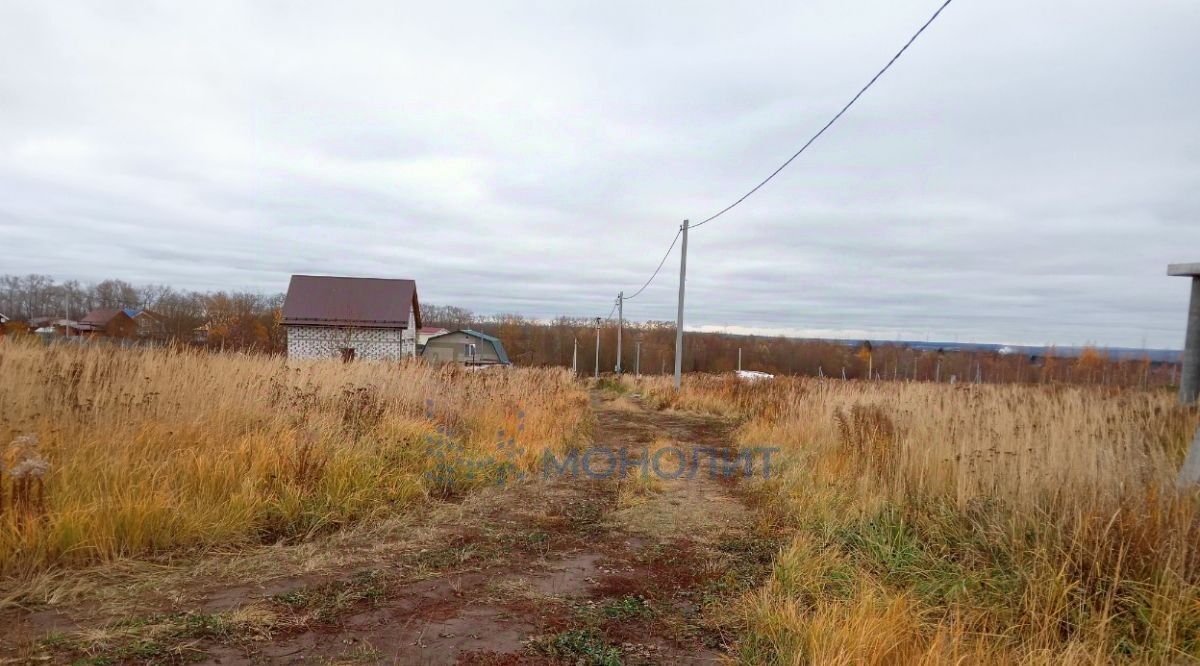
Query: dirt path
x,y
573,568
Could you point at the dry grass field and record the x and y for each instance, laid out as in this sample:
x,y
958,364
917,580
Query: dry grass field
x,y
112,453
902,522
968,524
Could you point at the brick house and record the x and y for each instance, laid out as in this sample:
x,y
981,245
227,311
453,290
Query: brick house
x,y
349,318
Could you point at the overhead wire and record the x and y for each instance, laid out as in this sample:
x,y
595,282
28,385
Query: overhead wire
x,y
831,120
791,159
660,265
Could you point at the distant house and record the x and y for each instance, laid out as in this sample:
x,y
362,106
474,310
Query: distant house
x,y
467,347
16,325
348,317
425,333
12,326
50,327
43,326
107,323
149,324
65,327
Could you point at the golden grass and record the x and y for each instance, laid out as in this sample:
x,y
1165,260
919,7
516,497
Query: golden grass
x,y
978,524
153,450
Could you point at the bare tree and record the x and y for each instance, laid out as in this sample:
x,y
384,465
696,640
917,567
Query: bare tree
x,y
115,294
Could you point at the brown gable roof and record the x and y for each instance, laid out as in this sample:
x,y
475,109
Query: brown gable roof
x,y
318,300
101,316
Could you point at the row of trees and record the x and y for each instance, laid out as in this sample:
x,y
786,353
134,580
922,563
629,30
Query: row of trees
x,y
650,348
249,321
232,320
28,296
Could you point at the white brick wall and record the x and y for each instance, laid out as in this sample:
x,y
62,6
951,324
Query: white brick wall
x,y
368,343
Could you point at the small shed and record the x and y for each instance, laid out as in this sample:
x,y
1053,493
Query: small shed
x,y
466,347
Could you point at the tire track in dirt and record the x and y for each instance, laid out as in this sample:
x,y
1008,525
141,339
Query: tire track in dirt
x,y
619,579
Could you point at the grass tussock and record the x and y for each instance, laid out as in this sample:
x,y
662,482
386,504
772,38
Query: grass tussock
x,y
112,453
969,524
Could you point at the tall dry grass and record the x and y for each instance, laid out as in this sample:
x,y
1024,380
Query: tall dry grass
x,y
119,453
982,524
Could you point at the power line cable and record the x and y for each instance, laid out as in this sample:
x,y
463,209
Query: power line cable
x,y
610,312
832,121
660,265
791,159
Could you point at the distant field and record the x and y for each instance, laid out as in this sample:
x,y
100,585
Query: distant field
x,y
115,453
975,524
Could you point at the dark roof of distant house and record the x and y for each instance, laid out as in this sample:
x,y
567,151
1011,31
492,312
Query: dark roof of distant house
x,y
101,316
319,300
496,344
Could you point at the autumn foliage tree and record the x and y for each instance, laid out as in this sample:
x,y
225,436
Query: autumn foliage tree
x,y
244,321
1090,364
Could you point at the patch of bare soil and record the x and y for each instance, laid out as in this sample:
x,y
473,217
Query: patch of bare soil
x,y
566,569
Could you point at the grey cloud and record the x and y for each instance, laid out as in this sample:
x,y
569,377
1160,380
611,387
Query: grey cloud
x,y
1023,174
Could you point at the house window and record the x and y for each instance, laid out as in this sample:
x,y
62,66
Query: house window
x,y
469,348
347,354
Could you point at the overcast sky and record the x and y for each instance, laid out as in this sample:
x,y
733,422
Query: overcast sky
x,y
1023,174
